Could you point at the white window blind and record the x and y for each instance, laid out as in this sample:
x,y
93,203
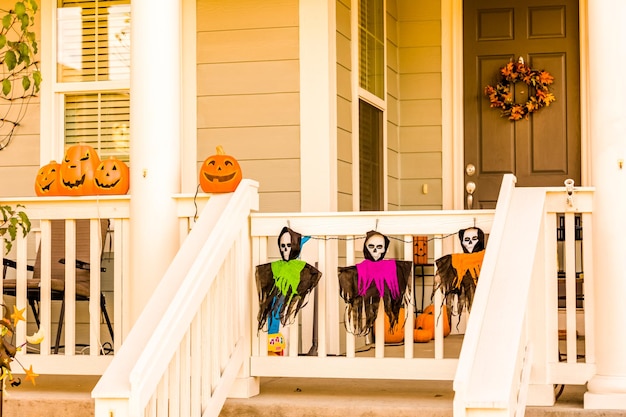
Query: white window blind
x,y
100,120
93,56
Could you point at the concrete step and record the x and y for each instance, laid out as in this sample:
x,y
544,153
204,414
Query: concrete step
x,y
65,396
308,397
52,396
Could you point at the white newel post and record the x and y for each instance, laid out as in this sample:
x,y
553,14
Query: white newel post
x,y
155,131
607,32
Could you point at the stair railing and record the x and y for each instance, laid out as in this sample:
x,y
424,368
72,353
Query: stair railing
x,y
186,348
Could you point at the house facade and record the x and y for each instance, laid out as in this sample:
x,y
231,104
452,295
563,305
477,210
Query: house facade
x,y
336,105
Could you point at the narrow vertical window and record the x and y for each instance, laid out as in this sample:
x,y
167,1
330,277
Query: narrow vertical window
x,y
370,157
372,47
372,103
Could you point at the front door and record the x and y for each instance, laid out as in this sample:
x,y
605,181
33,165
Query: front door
x,y
543,150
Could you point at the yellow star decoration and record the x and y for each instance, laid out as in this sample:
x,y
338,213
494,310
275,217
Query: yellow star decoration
x,y
30,375
17,315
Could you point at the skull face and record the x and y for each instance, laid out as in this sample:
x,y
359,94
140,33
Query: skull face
x,y
284,244
470,239
375,245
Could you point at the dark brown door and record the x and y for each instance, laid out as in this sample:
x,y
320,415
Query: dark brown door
x,y
545,149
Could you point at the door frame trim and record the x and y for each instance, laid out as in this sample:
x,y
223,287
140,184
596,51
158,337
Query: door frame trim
x,y
452,101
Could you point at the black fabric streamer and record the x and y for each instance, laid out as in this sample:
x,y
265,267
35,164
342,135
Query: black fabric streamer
x,y
362,297
272,301
276,297
361,310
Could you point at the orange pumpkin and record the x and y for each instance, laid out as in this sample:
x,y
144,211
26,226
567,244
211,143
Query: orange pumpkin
x,y
395,335
426,320
421,335
220,173
78,169
111,177
47,180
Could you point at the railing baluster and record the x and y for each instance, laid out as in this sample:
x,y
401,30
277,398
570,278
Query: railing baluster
x,y
70,287
410,308
321,293
350,338
570,286
589,303
95,245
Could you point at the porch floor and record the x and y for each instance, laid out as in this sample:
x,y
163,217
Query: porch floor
x,y
62,396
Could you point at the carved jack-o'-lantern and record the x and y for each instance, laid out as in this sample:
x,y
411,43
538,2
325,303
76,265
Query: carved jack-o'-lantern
x,y
47,180
77,170
220,173
111,177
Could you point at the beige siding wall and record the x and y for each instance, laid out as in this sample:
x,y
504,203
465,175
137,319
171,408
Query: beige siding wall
x,y
344,107
419,132
19,161
248,92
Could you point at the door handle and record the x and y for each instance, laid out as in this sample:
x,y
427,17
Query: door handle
x,y
470,187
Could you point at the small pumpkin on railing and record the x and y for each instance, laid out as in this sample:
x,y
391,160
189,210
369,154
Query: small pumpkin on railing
x,y
220,173
78,169
111,177
47,182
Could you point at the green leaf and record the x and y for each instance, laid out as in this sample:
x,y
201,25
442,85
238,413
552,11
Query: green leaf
x,y
20,8
10,60
3,40
33,5
25,21
25,82
37,80
7,20
6,87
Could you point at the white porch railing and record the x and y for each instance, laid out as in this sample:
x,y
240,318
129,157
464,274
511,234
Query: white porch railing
x,y
86,345
186,348
200,327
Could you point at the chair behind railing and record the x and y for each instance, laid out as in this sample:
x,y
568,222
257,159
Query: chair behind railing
x,y
87,341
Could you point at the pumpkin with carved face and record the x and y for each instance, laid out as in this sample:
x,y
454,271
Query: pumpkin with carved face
x,y
47,180
220,173
78,169
111,177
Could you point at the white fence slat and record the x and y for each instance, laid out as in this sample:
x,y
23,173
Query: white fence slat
x,y
350,338
69,326
589,289
570,286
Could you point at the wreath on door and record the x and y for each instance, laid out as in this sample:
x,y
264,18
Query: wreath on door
x,y
500,96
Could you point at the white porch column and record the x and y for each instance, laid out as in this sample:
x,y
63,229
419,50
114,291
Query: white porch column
x,y
607,32
155,130
318,141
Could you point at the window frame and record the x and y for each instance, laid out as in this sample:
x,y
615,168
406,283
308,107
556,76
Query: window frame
x,y
53,92
361,94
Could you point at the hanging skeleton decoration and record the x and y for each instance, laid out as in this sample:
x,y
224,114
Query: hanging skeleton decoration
x,y
362,286
457,273
284,285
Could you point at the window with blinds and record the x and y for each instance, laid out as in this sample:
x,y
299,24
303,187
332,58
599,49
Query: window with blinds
x,y
370,157
93,57
372,47
100,120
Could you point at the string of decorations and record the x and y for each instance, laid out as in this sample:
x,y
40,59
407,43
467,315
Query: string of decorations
x,y
501,95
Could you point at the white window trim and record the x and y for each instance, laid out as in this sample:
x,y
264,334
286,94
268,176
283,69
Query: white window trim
x,y
52,136
359,93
